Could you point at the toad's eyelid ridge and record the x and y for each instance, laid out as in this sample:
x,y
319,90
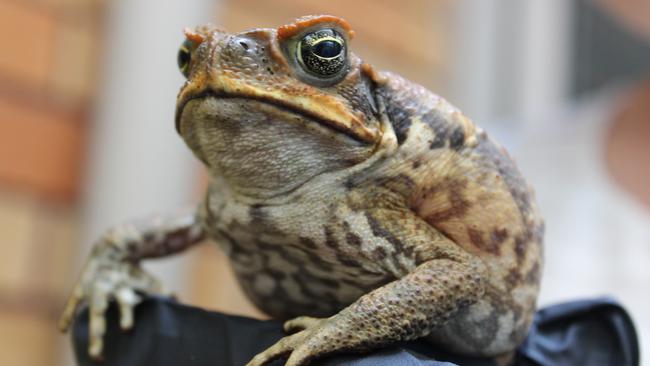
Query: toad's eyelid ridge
x,y
327,38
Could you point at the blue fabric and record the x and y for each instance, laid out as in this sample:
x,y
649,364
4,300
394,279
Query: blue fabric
x,y
589,332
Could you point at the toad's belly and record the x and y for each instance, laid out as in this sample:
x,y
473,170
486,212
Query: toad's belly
x,y
287,281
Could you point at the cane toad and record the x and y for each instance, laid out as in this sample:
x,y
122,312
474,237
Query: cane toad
x,y
355,204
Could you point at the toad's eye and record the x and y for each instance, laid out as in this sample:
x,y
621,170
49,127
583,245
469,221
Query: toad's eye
x,y
184,57
322,53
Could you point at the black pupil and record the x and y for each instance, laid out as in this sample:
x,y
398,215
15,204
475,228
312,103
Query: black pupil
x,y
183,58
327,49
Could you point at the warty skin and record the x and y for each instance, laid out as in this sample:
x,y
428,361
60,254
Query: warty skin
x,y
359,206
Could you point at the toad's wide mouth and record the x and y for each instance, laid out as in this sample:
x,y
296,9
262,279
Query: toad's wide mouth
x,y
362,135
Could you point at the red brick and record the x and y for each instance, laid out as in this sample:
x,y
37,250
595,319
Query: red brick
x,y
26,36
40,150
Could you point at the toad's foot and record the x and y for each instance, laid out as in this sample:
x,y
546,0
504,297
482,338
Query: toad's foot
x,y
113,271
105,279
315,337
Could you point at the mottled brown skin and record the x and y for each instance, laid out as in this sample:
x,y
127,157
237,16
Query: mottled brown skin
x,y
365,209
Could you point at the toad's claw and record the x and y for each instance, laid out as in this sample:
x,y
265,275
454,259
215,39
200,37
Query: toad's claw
x,y
68,311
300,323
127,300
318,338
98,302
280,348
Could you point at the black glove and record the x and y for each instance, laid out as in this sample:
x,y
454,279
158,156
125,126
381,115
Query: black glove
x,y
166,333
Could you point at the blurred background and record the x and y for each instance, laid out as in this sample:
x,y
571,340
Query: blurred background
x,y
87,94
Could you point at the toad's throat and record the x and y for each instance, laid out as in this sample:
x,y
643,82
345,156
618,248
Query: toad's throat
x,y
279,104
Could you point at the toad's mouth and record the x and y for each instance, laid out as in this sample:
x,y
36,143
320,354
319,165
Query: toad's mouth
x,y
362,135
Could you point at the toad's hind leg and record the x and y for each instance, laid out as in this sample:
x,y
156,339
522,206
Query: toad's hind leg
x,y
491,326
402,310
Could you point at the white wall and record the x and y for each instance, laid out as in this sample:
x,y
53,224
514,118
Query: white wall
x,y
137,163
510,60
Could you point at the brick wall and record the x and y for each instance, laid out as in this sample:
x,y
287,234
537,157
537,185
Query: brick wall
x,y
47,77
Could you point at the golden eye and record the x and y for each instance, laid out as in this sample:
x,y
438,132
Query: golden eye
x,y
322,53
185,57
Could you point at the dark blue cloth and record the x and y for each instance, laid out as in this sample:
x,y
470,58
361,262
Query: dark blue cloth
x,y
591,332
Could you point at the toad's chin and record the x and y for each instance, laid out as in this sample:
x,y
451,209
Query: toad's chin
x,y
258,144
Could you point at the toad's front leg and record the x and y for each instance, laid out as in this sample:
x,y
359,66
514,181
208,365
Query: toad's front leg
x,y
401,310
